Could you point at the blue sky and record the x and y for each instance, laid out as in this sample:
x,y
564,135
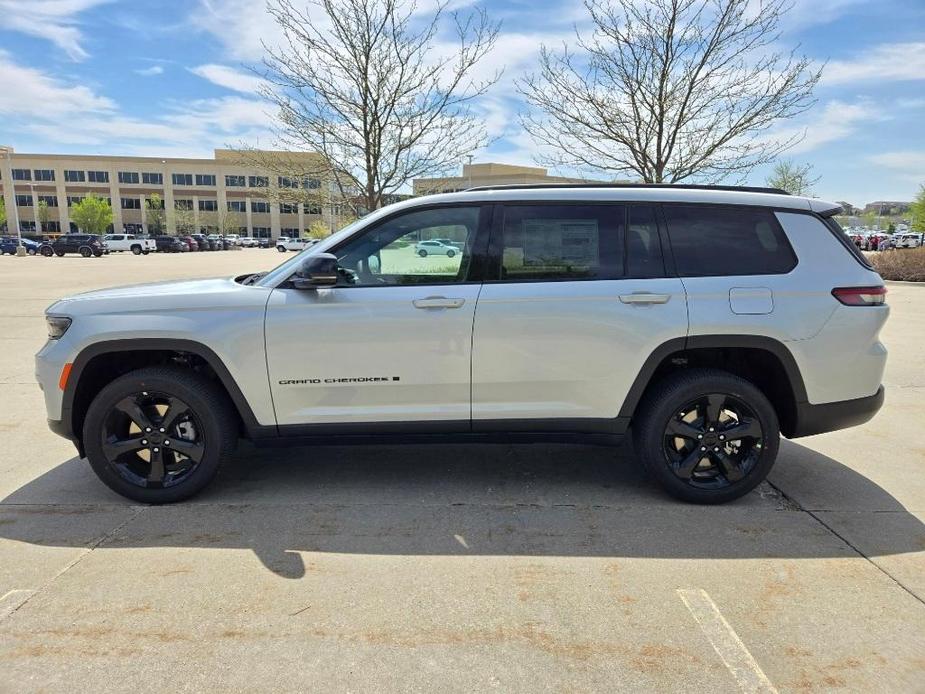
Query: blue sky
x,y
168,78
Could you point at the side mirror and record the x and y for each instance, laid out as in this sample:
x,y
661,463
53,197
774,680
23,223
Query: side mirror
x,y
317,271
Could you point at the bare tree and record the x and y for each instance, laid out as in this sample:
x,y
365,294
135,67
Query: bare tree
x,y
796,179
669,90
363,83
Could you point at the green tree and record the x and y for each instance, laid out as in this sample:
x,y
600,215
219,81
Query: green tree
x,y
2,213
154,214
42,216
318,230
185,221
917,211
92,215
796,179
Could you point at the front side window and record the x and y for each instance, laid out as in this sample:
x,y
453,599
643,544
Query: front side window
x,y
561,242
713,241
391,253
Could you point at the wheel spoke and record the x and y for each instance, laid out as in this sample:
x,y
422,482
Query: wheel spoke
x,y
715,402
191,449
113,449
129,407
685,467
175,410
745,429
676,427
156,472
731,470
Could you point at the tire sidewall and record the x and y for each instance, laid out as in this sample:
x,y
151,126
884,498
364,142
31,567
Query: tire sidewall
x,y
212,436
664,402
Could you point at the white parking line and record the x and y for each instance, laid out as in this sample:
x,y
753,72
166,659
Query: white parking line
x,y
12,600
726,642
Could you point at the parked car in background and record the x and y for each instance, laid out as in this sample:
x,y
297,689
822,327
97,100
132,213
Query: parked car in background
x,y
86,245
263,242
426,248
171,244
248,241
233,239
285,243
202,241
8,244
911,240
191,243
129,242
449,242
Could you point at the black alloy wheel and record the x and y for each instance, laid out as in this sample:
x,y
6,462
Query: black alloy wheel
x,y
86,251
47,251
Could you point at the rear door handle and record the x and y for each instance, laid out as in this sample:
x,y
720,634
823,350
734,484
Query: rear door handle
x,y
438,302
644,298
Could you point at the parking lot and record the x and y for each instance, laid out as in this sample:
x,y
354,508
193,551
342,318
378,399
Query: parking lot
x,y
451,567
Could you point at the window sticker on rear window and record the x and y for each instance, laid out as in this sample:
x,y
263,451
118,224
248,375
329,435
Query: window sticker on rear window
x,y
557,241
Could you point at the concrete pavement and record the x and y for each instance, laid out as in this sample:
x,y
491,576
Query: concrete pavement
x,y
450,567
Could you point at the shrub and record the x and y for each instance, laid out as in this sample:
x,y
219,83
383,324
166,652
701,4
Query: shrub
x,y
906,264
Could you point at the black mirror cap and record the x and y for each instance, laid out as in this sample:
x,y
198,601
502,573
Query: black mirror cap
x,y
319,270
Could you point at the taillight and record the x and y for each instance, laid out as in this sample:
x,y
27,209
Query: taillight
x,y
860,296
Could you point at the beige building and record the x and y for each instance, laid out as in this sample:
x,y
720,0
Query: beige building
x,y
214,194
489,174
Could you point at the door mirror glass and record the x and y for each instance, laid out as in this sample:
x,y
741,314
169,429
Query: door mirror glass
x,y
317,271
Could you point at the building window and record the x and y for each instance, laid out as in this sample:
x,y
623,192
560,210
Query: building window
x,y
182,179
289,208
234,181
208,229
44,175
133,228
153,204
205,180
208,205
154,179
237,206
128,177
183,204
260,206
311,183
289,232
22,175
131,204
51,227
50,200
313,209
98,176
258,181
27,227
261,232
72,176
286,182
73,200
24,200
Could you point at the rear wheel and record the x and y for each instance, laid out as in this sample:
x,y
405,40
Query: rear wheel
x,y
86,251
706,435
159,434
281,249
422,253
450,254
136,250
60,254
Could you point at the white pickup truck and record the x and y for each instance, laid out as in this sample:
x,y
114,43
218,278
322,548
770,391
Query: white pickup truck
x,y
130,242
284,243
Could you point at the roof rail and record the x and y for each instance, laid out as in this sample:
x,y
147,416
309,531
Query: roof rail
x,y
683,186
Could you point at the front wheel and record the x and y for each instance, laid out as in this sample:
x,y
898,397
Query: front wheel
x,y
706,435
136,250
422,253
281,249
450,254
145,252
85,251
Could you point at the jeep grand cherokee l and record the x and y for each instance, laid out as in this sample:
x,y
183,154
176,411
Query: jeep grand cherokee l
x,y
704,321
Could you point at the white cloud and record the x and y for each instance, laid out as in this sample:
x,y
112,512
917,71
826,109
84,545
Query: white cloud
x,y
885,63
910,163
27,91
53,20
229,78
835,121
150,71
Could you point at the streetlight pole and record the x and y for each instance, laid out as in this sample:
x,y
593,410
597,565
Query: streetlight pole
x,y
20,249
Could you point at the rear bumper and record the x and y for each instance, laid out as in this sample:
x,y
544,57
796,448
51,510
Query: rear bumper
x,y
831,416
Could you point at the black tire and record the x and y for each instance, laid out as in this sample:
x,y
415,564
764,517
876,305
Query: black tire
x,y
46,251
208,412
281,249
450,254
30,251
136,250
422,253
666,438
145,252
60,254
85,251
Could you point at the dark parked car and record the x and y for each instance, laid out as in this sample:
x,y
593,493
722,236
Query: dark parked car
x,y
171,244
263,242
8,245
86,244
203,242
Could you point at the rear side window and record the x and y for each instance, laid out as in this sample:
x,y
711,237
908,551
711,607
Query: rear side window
x,y
709,241
562,242
643,247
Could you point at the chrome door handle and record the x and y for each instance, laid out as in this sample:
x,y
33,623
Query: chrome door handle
x,y
644,298
438,302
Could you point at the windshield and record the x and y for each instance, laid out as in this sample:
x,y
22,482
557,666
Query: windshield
x,y
284,271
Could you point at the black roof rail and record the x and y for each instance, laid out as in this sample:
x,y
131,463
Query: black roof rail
x,y
683,186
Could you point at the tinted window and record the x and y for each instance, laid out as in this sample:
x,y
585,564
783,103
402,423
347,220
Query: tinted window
x,y
543,242
710,241
390,254
643,246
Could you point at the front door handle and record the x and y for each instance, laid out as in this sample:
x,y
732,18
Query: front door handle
x,y
438,302
644,298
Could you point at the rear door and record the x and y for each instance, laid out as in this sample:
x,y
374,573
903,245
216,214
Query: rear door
x,y
576,298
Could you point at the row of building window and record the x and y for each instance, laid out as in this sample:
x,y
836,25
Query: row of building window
x,y
153,178
259,206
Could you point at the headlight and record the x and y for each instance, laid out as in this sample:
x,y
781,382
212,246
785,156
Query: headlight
x,y
57,326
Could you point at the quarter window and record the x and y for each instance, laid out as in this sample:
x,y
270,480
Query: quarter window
x,y
562,242
711,241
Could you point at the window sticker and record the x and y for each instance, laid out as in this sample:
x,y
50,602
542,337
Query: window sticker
x,y
561,241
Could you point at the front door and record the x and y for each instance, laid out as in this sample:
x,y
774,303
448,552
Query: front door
x,y
391,343
576,301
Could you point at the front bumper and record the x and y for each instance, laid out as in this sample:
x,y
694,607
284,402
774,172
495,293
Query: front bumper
x,y
832,416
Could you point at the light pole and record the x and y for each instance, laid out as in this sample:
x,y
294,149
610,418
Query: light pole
x,y
20,249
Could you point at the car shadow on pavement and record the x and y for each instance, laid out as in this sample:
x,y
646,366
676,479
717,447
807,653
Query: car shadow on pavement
x,y
550,500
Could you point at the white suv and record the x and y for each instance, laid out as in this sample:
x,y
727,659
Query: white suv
x,y
705,321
